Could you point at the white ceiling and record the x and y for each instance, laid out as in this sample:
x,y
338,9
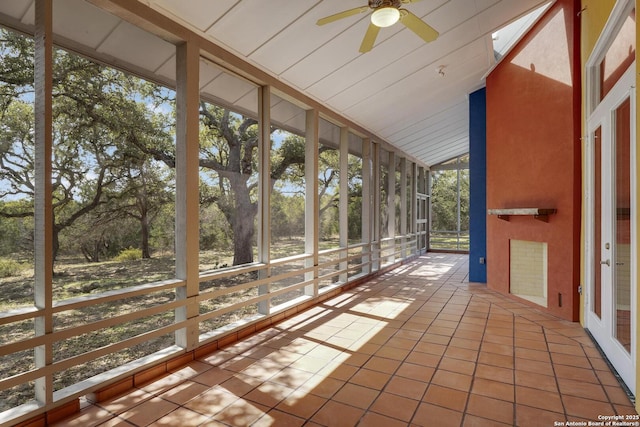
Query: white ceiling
x,y
394,91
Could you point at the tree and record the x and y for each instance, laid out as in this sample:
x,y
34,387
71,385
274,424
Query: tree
x,y
329,191
16,234
229,165
146,191
444,200
97,112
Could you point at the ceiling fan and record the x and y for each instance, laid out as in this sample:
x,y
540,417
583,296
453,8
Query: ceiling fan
x,y
386,13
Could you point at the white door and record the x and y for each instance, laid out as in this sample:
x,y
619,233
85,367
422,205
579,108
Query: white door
x,y
611,310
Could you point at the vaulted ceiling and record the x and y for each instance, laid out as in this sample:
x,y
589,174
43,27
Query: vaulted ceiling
x,y
407,92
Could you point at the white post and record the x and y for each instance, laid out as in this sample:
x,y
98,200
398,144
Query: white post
x,y
312,202
391,209
264,173
343,209
376,247
403,205
187,184
367,223
43,209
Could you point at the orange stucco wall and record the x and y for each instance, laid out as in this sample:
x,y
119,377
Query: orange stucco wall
x,y
533,153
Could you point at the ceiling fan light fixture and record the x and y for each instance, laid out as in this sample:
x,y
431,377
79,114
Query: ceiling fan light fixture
x,y
385,16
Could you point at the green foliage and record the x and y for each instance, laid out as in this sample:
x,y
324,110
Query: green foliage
x,y
329,191
16,234
444,200
355,199
99,174
287,215
9,267
129,254
215,233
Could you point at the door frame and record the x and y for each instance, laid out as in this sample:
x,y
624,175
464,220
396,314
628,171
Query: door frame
x,y
620,12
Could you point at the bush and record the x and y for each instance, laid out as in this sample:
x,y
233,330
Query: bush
x,y
9,268
130,254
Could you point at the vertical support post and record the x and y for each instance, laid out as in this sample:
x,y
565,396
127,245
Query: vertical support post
x,y
43,209
391,209
403,206
367,223
312,201
343,209
458,207
375,235
423,208
187,183
427,185
264,178
414,206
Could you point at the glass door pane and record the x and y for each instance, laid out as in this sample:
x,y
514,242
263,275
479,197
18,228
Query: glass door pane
x,y
597,222
622,215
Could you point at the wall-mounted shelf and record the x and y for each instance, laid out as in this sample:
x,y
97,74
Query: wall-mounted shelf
x,y
541,214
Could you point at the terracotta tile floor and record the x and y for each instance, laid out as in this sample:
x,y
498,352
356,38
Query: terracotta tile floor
x,y
417,346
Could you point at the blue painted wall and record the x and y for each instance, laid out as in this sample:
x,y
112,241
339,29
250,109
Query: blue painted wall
x,y
478,186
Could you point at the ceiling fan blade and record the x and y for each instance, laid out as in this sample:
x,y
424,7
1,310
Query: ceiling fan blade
x,y
343,14
369,38
418,26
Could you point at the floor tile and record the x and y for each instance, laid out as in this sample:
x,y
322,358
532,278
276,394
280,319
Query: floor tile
x,y
184,392
355,395
125,402
501,349
371,379
372,419
88,417
585,408
461,353
494,359
278,418
446,397
429,415
301,404
535,366
541,399
532,354
582,389
382,364
413,389
269,394
475,421
456,365
417,346
337,414
322,386
394,406
211,401
490,408
495,373
452,380
537,381
498,339
423,359
213,376
181,416
149,411
416,372
535,417
494,389
573,373
617,395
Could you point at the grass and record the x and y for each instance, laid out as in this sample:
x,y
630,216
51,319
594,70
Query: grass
x,y
9,267
448,241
